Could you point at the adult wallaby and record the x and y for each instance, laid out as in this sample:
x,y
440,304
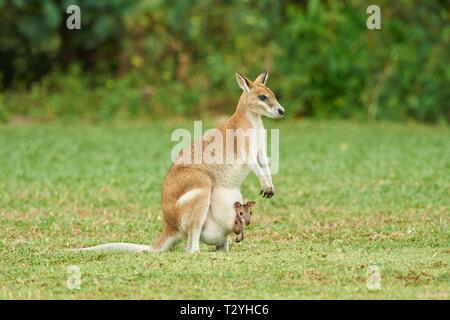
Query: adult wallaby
x,y
198,197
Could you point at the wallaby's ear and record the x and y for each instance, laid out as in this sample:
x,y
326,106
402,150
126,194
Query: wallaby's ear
x,y
237,204
262,78
250,204
243,82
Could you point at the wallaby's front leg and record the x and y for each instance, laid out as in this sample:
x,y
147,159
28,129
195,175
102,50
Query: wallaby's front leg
x,y
240,236
238,228
265,180
264,163
266,186
257,161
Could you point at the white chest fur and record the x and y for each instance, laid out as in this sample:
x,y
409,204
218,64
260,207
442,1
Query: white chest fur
x,y
249,142
221,216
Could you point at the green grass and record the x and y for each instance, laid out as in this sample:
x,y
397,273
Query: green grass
x,y
348,196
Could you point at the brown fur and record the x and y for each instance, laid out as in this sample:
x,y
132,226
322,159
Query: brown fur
x,y
243,217
194,183
184,177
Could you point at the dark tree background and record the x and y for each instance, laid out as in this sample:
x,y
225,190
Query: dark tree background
x,y
148,58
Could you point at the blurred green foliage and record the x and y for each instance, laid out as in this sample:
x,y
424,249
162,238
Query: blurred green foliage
x,y
154,58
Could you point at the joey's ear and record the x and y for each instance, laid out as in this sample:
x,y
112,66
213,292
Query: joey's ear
x,y
243,82
237,204
262,78
250,204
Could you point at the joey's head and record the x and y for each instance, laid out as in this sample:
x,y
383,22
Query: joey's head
x,y
244,211
257,98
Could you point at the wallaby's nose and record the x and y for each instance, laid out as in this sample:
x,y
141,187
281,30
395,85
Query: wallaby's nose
x,y
280,111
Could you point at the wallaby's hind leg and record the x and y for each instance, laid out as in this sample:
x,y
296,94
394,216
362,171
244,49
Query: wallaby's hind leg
x,y
167,240
194,216
195,229
224,246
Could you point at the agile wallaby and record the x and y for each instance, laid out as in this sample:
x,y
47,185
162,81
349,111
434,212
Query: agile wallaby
x,y
243,217
196,197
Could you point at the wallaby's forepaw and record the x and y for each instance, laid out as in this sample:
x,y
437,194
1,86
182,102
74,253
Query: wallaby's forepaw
x,y
239,237
268,192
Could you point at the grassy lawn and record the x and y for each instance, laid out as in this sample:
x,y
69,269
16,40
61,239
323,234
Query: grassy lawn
x,y
349,196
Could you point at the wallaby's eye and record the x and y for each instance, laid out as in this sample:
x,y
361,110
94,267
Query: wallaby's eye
x,y
251,213
262,97
241,213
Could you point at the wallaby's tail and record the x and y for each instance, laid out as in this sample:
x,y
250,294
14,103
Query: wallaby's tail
x,y
164,243
120,246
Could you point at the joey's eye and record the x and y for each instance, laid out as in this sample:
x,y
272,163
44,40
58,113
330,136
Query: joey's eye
x,y
241,213
262,97
251,213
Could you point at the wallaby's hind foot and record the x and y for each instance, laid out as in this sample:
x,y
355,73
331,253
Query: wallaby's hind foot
x,y
224,246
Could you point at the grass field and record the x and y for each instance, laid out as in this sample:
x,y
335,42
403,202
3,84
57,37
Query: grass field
x,y
349,196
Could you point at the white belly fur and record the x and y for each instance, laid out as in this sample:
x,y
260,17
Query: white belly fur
x,y
221,215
